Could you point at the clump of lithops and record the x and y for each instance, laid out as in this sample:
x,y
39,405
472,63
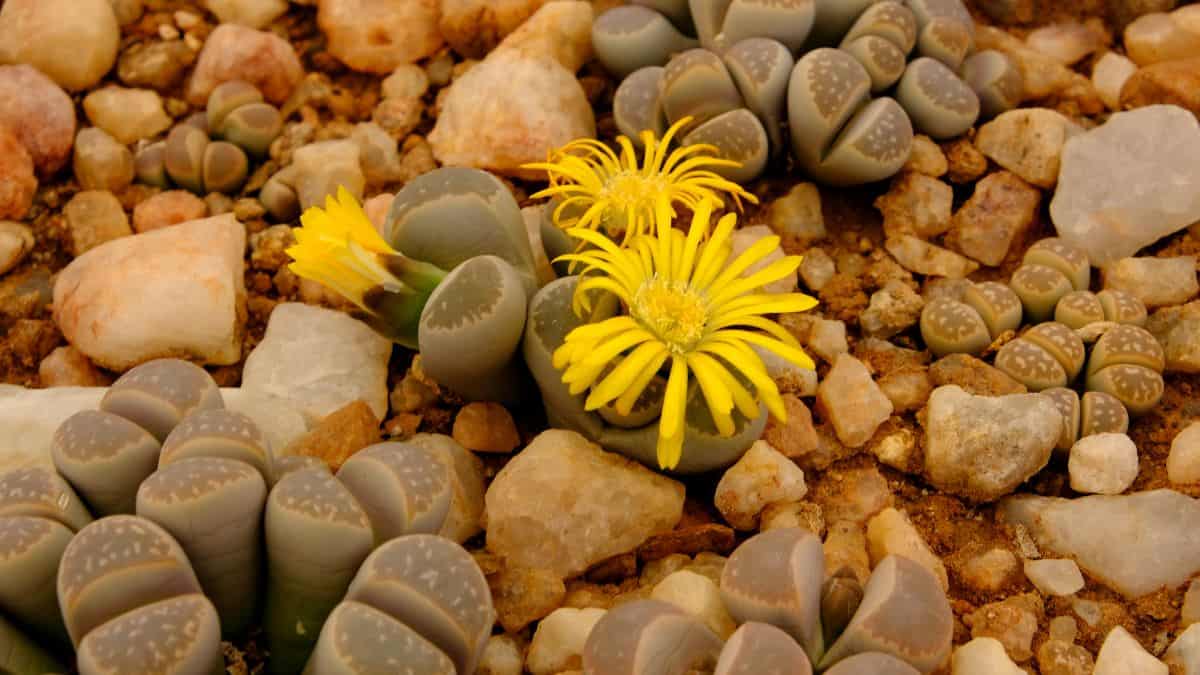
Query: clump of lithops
x,y
1046,356
971,322
775,586
1127,362
1083,308
213,151
837,73
1050,271
1096,412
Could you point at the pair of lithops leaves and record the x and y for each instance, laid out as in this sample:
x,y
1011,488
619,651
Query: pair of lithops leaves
x,y
245,126
794,620
743,82
206,488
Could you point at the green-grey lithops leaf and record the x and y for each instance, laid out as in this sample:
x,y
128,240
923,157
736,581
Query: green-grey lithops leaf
x,y
841,594
649,637
227,97
938,101
952,327
827,87
884,61
213,507
1067,402
105,457
1127,344
928,10
946,40
290,463
833,19
1031,365
225,167
21,654
761,69
218,433
403,488
775,577
872,663
676,10
118,564
997,304
889,20
39,492
1139,388
184,156
358,639
630,37
899,595
708,16
30,552
1060,342
636,105
1078,309
253,127
1066,258
280,200
471,328
786,21
1122,307
697,84
150,165
996,80
874,145
177,636
198,120
739,136
157,395
317,535
1040,288
434,586
1102,413
762,648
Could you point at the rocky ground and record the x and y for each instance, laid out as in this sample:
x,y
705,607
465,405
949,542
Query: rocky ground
x,y
885,455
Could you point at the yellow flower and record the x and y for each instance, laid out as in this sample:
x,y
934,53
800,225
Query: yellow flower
x,y
601,190
691,310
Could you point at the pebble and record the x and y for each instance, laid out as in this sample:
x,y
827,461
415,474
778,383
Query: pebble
x,y
16,241
845,548
166,209
1134,544
376,37
983,656
558,30
927,158
973,376
40,114
1012,622
1029,142
1104,464
1109,75
94,217
699,596
234,52
318,359
1054,577
795,514
1184,653
966,163
319,169
128,11
564,504
796,437
523,596
816,269
1183,463
890,532
559,639
398,117
128,115
745,237
893,309
852,401
252,13
763,476
853,495
474,27
157,65
17,184
922,257
1177,328
408,81
74,42
797,215
1128,183
990,571
1157,37
1068,42
982,447
1059,657
1155,281
174,292
68,367
337,436
1190,612
1000,212
486,427
916,204
101,163
1121,654
1043,76
501,656
827,339
908,389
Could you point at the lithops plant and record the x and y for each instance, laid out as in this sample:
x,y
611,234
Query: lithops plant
x,y
996,80
39,492
358,638
1127,362
1096,412
1050,270
761,648
158,394
218,432
968,324
1082,308
105,457
403,488
30,552
1046,356
649,637
872,663
176,636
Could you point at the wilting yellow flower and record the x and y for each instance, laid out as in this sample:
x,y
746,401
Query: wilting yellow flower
x,y
689,305
601,190
339,248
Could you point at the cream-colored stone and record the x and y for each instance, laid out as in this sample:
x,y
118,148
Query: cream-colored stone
x,y
74,42
891,533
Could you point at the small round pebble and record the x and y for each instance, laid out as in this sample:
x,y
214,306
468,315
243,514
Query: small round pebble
x,y
1104,464
1183,464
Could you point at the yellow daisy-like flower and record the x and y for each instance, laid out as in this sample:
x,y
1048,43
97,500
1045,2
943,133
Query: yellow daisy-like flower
x,y
691,310
601,190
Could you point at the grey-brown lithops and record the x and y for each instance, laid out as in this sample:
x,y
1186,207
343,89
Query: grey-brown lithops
x,y
30,551
433,586
872,663
1078,309
118,564
213,507
631,37
697,84
756,648
176,636
1050,270
225,167
227,97
776,577
252,127
761,68
938,101
218,432
150,165
317,535
404,489
841,594
1068,259
358,639
636,104
996,79
1122,307
649,637
41,493
788,22
1127,362
158,394
280,200
285,465
184,157
881,39
969,324
1137,387
21,654
1102,413
1067,402
736,135
677,11
904,613
105,457
1047,355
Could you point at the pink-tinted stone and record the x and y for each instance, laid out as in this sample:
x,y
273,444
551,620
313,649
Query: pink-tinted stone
x,y
235,52
40,114
376,37
17,182
166,209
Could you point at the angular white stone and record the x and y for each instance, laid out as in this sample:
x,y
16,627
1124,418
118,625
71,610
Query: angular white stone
x,y
1129,183
1105,464
1054,577
128,115
1121,654
320,360
853,401
763,476
983,656
1135,544
175,292
1157,282
1109,76
1185,651
560,638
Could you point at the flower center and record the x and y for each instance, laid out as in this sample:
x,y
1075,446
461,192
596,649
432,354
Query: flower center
x,y
673,312
629,189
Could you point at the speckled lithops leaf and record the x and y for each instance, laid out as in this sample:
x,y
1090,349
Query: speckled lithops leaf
x,y
1068,259
226,98
997,304
30,551
786,21
884,61
739,136
105,457
404,489
874,145
184,157
872,663
218,433
178,636
762,648
1060,342
1040,288
1122,307
1067,402
938,101
1078,309
1129,344
1031,365
1137,387
889,20
952,327
359,639
697,84
761,69
41,493
996,80
708,16
928,10
158,394
631,37
649,637
946,40
676,10
827,86
1102,413
636,105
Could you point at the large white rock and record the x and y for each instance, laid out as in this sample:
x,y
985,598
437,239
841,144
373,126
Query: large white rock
x,y
320,360
1135,544
1122,654
1129,182
1105,464
176,292
563,504
983,656
29,418
74,42
1185,651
